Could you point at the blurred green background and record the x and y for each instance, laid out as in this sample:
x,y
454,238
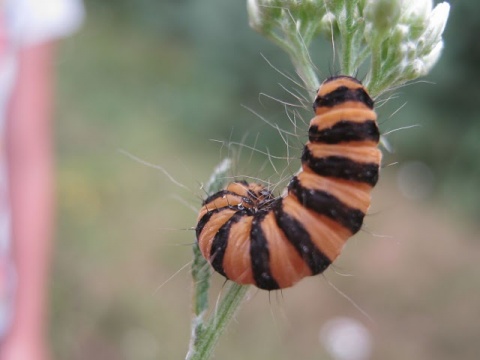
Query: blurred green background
x,y
160,80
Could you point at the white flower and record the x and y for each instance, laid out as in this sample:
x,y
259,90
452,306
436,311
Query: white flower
x,y
327,23
254,14
400,39
436,23
418,68
431,59
430,43
413,10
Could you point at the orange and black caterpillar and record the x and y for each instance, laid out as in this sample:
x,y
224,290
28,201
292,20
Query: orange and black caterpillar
x,y
252,237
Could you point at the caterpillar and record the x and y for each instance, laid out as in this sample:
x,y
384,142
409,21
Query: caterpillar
x,y
252,237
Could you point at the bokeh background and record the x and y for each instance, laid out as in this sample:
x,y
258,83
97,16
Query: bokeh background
x,y
169,81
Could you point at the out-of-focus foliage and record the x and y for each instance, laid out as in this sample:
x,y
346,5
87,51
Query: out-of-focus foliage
x,y
449,137
221,60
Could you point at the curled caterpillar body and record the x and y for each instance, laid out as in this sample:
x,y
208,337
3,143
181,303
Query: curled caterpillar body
x,y
252,237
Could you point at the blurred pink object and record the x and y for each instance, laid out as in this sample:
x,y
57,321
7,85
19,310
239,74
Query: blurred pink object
x,y
27,31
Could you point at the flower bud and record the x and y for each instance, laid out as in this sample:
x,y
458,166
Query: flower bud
x,y
383,14
254,14
431,59
415,13
436,23
328,24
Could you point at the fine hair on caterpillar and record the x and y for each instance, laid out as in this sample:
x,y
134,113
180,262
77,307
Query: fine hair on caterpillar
x,y
253,160
257,156
252,237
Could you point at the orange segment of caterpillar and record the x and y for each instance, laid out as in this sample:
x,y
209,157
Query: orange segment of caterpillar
x,y
252,237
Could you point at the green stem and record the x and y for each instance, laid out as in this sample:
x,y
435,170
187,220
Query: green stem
x,y
375,69
218,322
346,55
201,274
388,81
361,57
347,39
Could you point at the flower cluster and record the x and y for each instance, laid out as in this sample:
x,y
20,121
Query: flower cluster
x,y
401,40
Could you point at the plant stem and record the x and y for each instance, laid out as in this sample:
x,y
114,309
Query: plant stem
x,y
375,68
347,39
218,321
201,274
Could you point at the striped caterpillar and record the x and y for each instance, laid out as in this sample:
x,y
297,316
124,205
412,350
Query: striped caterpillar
x,y
252,237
